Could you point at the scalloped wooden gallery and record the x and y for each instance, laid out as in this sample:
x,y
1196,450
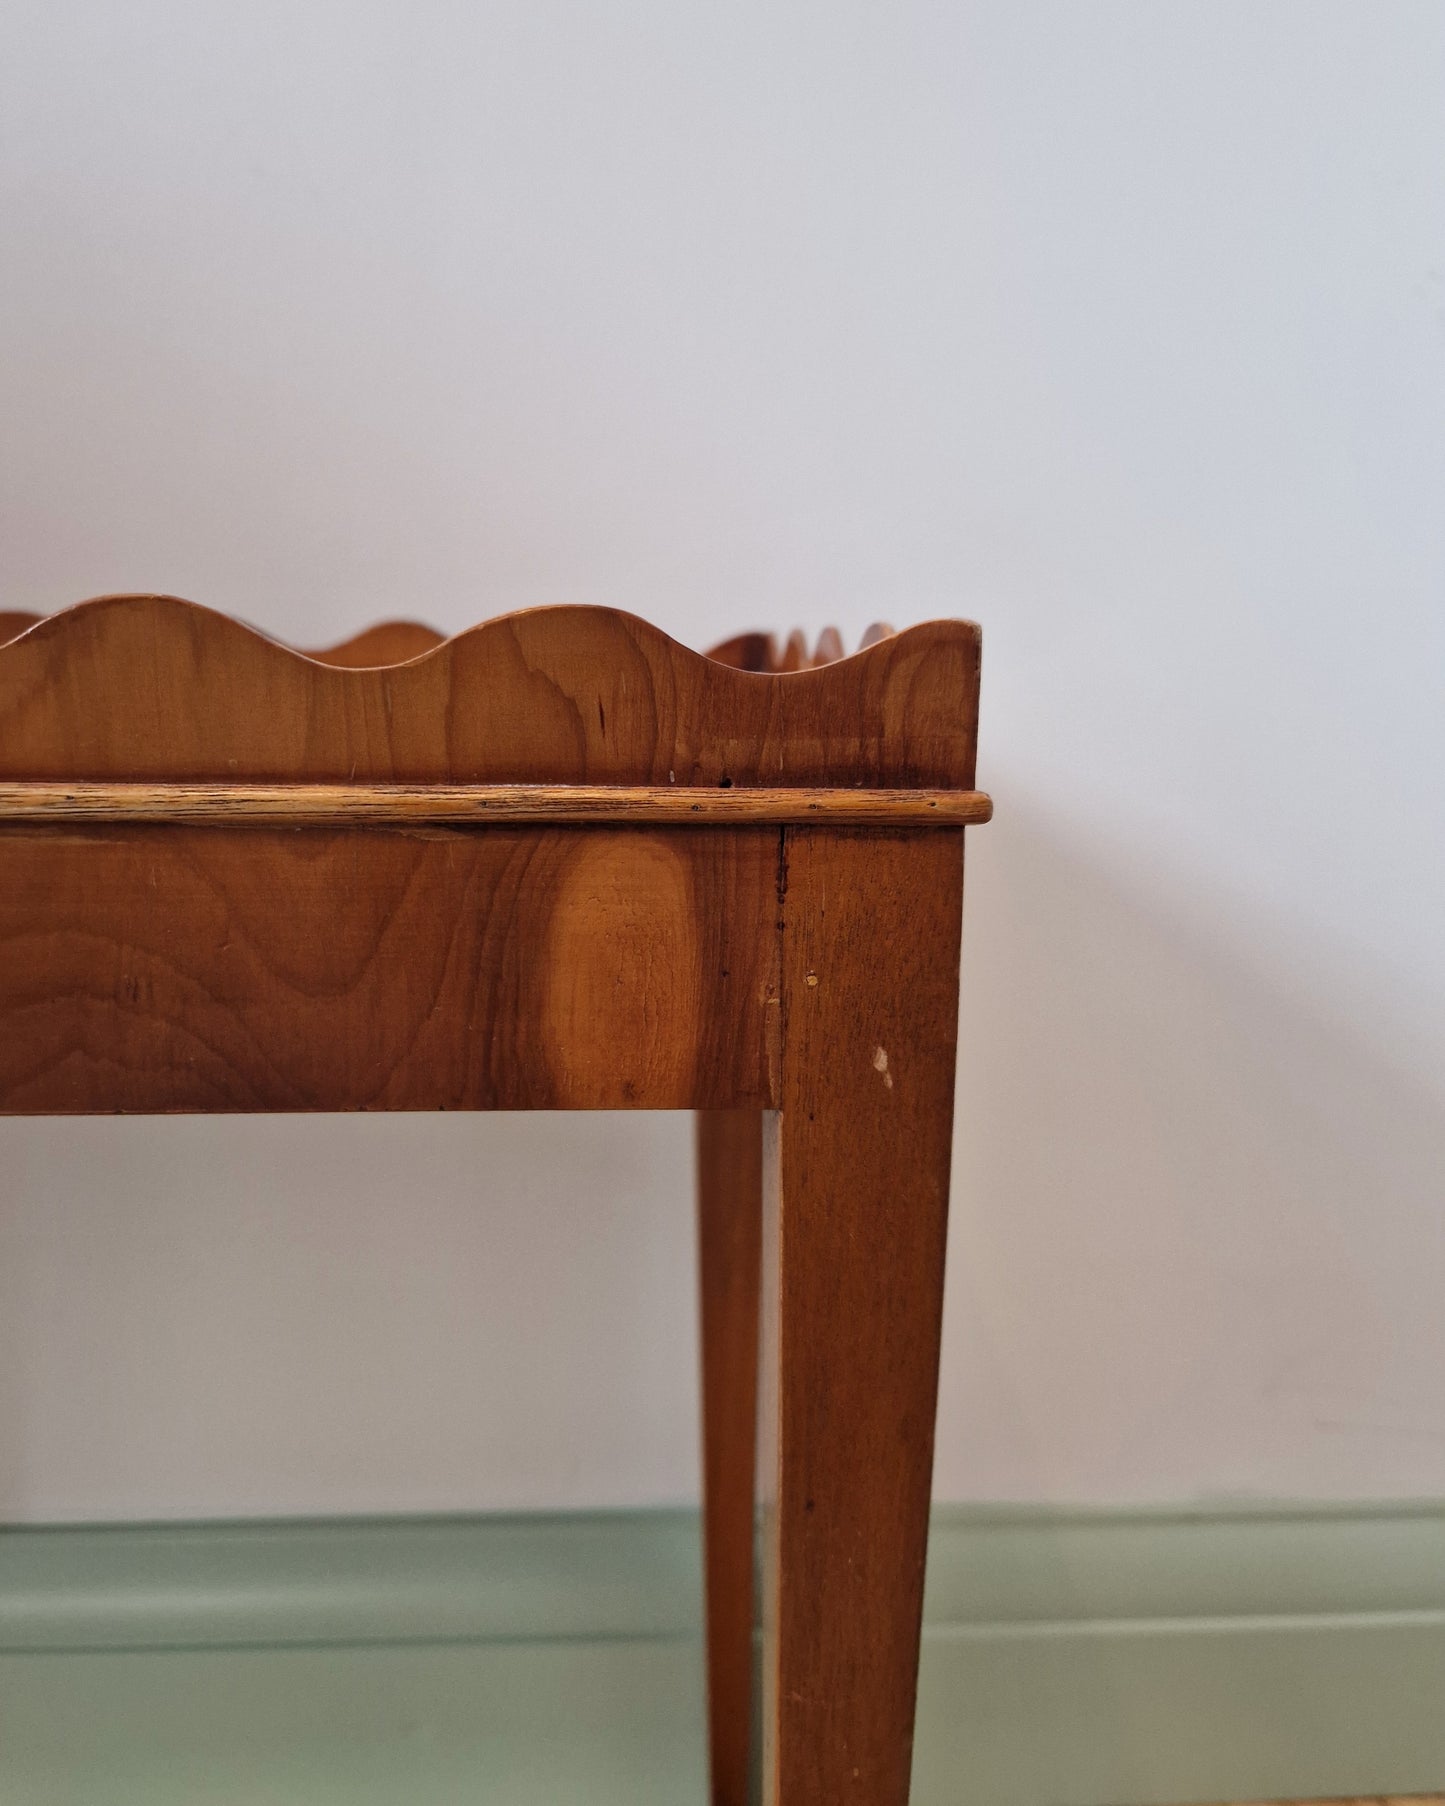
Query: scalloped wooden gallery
x,y
560,861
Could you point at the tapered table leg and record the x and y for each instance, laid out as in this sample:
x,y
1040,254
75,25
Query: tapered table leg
x,y
855,1206
729,1189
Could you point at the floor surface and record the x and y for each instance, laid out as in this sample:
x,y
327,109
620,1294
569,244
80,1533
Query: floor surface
x,y
533,1661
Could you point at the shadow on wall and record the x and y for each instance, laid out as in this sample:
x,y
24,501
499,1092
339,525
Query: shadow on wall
x,y
1199,1215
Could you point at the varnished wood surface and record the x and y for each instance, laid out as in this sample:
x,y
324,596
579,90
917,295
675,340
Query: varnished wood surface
x,y
384,643
312,805
148,688
761,652
393,642
238,877
730,1203
387,643
177,968
855,1213
14,621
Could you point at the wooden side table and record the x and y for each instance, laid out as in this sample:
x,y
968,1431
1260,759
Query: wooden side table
x,y
561,862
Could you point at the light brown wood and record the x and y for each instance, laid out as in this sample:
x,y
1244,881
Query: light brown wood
x,y
14,621
761,652
393,642
238,877
480,805
147,688
856,1204
730,1187
747,652
386,643
176,968
829,648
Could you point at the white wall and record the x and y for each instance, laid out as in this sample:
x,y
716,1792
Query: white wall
x,y
1119,327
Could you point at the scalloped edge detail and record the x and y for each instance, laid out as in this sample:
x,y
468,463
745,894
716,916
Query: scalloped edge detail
x,y
154,686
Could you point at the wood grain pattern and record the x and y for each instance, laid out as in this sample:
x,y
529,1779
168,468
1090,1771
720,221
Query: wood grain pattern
x,y
477,805
139,688
384,643
760,651
174,968
234,876
730,1203
392,642
856,1205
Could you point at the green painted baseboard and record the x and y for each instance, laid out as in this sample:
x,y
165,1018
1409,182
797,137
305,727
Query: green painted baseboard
x,y
1074,1658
